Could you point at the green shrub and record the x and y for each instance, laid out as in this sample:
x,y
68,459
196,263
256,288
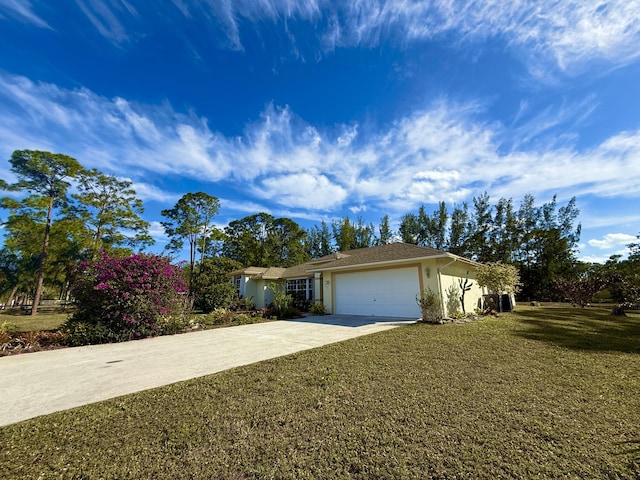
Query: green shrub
x,y
317,309
282,302
430,306
80,333
8,327
243,304
211,287
222,316
244,319
173,324
219,295
219,316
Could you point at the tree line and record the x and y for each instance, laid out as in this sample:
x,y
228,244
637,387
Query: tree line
x,y
49,231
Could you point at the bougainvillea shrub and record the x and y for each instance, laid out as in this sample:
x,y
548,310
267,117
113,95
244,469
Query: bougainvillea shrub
x,y
121,299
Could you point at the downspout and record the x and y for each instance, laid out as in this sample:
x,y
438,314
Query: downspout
x,y
439,270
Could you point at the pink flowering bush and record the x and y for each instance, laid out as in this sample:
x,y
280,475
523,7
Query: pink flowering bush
x,y
120,299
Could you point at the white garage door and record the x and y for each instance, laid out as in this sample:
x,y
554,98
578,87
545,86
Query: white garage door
x,y
390,292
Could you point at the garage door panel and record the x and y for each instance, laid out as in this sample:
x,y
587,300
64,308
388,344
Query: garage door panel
x,y
390,292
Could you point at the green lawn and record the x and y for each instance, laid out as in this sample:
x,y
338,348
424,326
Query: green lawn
x,y
52,321
546,393
27,323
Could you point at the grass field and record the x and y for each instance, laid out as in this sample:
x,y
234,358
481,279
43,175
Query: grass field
x,y
27,323
546,393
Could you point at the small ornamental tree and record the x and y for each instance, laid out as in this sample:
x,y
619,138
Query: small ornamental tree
x,y
120,299
499,278
580,290
464,288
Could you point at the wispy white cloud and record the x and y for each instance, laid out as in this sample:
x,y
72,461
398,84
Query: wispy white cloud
x,y
358,208
594,258
23,10
293,190
157,232
245,206
612,240
570,34
107,17
443,151
530,128
112,134
148,192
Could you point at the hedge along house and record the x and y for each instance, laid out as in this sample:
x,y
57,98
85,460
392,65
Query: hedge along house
x,y
379,281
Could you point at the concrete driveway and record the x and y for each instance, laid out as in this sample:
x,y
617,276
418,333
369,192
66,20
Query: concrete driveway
x,y
35,384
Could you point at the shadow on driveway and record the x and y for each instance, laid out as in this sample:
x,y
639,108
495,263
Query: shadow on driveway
x,y
354,321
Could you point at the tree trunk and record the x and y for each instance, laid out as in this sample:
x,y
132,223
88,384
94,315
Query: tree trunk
x,y
43,261
11,297
96,242
39,282
205,233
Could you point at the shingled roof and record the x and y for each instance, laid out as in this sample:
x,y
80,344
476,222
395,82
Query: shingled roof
x,y
250,271
392,252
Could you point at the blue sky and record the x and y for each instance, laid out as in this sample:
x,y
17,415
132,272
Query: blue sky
x,y
320,109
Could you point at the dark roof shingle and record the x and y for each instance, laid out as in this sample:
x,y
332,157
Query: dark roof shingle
x,y
392,252
382,253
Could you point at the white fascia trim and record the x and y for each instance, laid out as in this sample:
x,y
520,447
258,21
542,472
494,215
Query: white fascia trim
x,y
386,262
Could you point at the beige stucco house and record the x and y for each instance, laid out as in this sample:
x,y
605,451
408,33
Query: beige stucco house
x,y
381,281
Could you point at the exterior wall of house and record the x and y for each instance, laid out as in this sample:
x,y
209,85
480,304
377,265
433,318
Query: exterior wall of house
x,y
438,274
250,289
256,289
266,295
318,293
428,279
429,271
450,276
327,291
260,292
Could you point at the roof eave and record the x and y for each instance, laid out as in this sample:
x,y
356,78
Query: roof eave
x,y
462,259
388,262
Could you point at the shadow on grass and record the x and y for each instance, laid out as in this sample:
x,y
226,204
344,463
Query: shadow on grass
x,y
581,329
634,450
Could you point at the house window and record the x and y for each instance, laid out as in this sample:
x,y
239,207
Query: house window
x,y
301,289
236,283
